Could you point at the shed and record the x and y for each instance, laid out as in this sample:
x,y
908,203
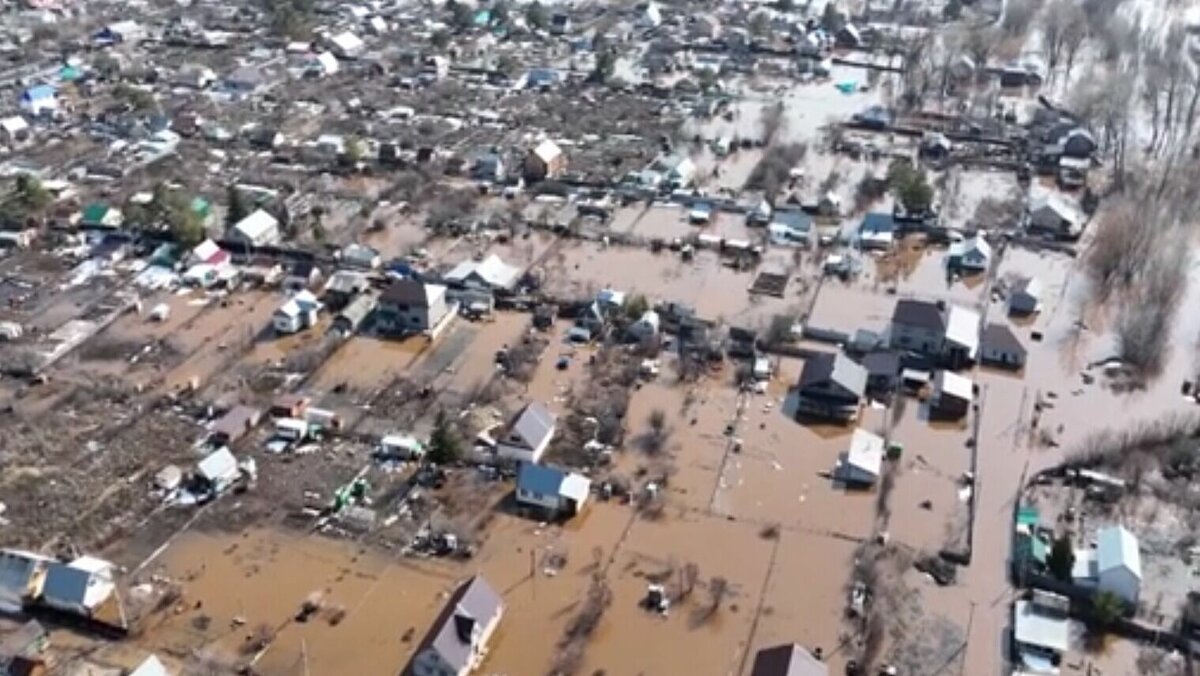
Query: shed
x,y
860,465
952,394
218,469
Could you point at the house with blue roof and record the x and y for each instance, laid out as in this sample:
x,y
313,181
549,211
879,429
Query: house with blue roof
x,y
553,491
790,227
877,231
40,100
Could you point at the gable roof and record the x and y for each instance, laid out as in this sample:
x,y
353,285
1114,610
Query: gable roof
x,y
534,425
919,313
256,224
474,603
787,660
1117,548
492,271
962,328
999,338
151,666
547,151
954,385
1029,286
866,451
406,292
838,368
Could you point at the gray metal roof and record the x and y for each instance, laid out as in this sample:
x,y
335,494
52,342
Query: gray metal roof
x,y
534,425
787,660
838,368
475,604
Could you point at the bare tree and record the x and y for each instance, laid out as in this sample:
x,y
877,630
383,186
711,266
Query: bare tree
x,y
1054,28
772,122
1075,33
1018,16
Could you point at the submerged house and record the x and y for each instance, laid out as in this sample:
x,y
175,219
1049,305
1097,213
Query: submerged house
x,y
528,434
952,395
553,491
457,642
860,465
971,255
999,346
787,660
831,387
919,326
1025,297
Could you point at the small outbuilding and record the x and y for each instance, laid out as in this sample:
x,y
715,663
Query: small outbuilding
x,y
952,395
860,465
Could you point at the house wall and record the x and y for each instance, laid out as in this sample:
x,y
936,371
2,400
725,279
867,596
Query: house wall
x,y
286,323
550,502
398,318
519,453
1001,358
1121,582
905,337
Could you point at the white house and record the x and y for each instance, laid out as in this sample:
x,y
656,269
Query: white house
x,y
323,65
860,465
298,313
1053,213
528,435
646,327
14,129
970,255
555,491
258,229
347,45
78,587
491,273
409,306
1114,566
